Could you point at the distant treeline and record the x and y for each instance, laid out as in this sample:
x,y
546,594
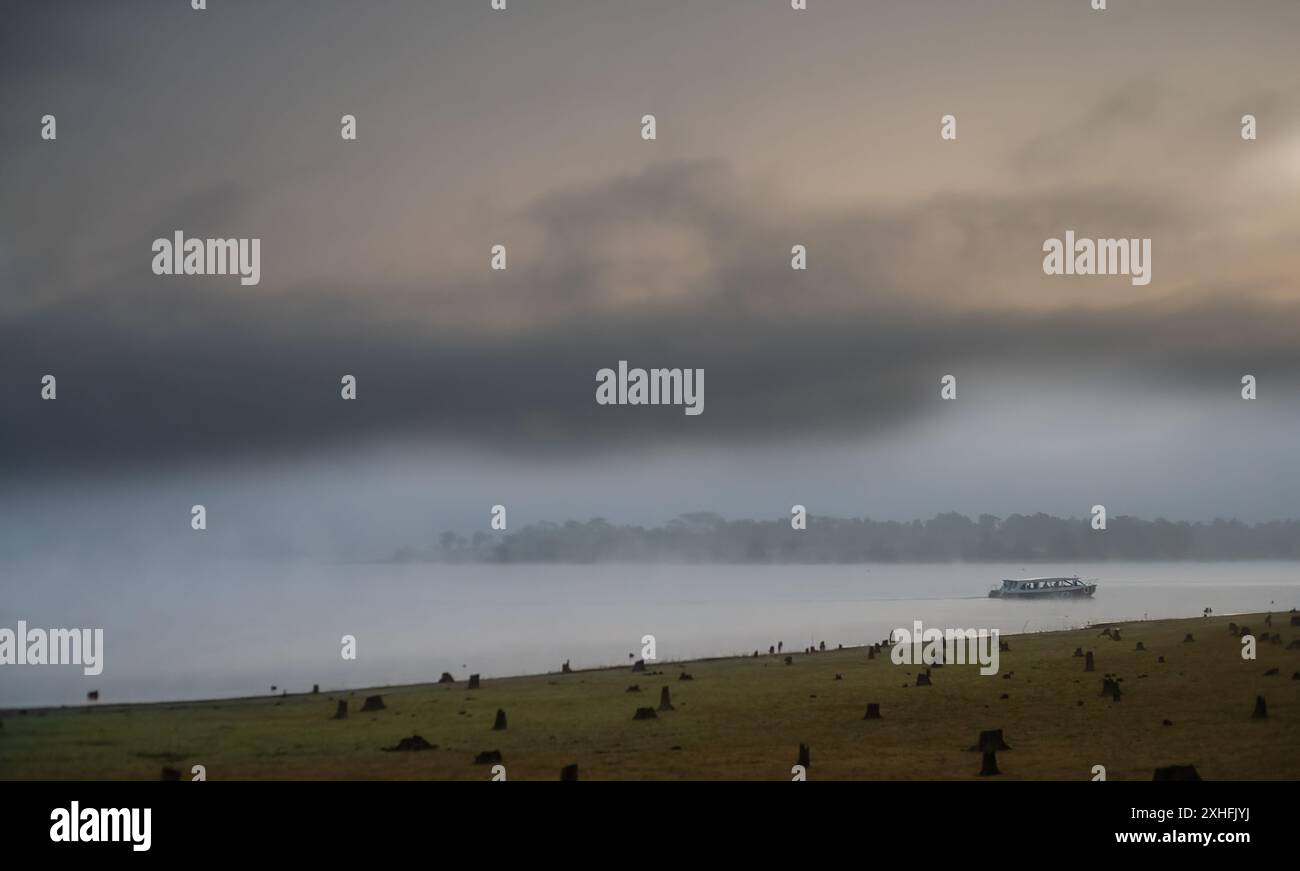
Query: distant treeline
x,y
709,538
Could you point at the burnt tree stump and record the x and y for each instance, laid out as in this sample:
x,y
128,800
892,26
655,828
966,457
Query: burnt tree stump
x,y
991,741
990,766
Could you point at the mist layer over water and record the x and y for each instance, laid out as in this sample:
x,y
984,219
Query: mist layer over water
x,y
239,628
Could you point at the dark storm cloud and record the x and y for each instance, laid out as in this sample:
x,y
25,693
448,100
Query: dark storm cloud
x,y
183,370
54,39
188,121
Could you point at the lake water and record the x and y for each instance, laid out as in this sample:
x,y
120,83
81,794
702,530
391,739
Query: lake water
x,y
238,628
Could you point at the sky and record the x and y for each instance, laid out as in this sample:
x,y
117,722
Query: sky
x,y
523,128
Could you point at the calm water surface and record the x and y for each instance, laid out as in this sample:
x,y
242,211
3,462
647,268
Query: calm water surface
x,y
238,628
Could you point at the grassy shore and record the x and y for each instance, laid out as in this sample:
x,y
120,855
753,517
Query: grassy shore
x,y
739,718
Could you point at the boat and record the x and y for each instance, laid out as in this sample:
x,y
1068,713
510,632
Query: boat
x,y
1043,588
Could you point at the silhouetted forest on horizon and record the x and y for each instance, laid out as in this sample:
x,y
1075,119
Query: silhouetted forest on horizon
x,y
705,537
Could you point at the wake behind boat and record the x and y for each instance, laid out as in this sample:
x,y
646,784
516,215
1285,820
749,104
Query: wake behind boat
x,y
1043,588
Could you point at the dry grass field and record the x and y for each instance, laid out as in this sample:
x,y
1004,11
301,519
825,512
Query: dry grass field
x,y
738,718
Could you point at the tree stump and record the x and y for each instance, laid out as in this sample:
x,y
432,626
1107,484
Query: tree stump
x,y
473,682
1087,662
170,774
1078,653
645,714
1188,638
488,757
873,711
1261,709
410,745
569,772
923,680
342,712
804,755
564,669
373,703
665,701
639,665
1140,646
500,723
446,678
991,741
990,766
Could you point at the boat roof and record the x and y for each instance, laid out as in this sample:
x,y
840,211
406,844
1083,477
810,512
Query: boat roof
x,y
1022,580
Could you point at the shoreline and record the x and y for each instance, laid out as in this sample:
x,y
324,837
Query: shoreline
x,y
22,710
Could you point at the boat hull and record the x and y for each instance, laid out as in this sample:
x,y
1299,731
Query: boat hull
x,y
1083,592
